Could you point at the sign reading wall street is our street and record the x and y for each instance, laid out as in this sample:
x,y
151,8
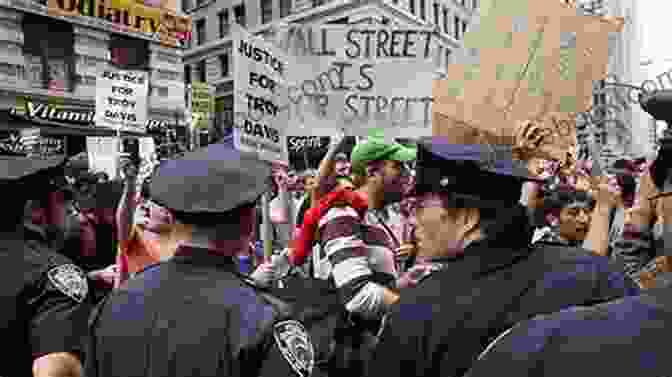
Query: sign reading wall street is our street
x,y
121,100
260,99
360,77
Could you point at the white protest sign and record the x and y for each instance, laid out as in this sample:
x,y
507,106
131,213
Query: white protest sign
x,y
359,77
148,160
260,98
103,155
121,100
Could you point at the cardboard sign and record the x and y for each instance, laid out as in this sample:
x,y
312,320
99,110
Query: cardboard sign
x,y
525,61
260,97
121,100
103,155
359,77
202,104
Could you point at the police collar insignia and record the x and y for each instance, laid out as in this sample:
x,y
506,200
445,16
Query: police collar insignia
x,y
295,345
70,280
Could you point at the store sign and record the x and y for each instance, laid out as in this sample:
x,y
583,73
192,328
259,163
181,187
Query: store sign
x,y
51,113
121,100
160,24
35,144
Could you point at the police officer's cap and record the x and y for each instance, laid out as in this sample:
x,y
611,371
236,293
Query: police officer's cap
x,y
209,181
485,174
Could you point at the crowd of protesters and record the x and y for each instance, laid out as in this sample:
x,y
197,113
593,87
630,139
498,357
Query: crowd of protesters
x,y
355,236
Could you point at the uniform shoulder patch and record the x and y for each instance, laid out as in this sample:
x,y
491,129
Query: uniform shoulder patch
x,y
70,280
295,345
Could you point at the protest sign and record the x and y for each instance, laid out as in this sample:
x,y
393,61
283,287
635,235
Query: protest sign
x,y
525,61
202,104
121,100
260,97
103,155
359,77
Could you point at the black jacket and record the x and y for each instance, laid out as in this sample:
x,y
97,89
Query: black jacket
x,y
439,327
195,316
44,304
623,338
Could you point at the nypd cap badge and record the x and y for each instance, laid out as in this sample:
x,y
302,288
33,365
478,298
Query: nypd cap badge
x,y
70,280
295,345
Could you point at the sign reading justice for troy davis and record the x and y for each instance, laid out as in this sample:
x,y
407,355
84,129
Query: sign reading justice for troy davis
x,y
260,99
121,100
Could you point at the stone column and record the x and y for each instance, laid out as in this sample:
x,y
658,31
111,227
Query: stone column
x,y
12,61
92,56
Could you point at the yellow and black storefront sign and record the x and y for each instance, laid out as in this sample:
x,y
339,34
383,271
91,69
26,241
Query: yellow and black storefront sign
x,y
161,24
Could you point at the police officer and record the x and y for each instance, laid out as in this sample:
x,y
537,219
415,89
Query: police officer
x,y
44,297
623,338
194,315
469,212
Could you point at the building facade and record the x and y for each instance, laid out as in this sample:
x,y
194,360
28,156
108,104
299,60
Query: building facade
x,y
616,130
209,57
49,59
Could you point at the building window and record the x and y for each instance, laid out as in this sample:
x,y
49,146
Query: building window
x,y
129,53
224,64
239,15
422,9
475,4
202,73
411,6
456,27
48,49
200,31
285,8
445,21
266,11
223,23
436,14
463,3
187,74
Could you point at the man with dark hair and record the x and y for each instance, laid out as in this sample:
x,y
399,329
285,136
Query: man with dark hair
x,y
470,221
195,315
45,298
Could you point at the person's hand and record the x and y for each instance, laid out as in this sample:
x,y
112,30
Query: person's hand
x,y
280,176
128,167
405,251
607,193
107,275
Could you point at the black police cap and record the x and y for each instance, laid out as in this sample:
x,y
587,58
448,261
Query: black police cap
x,y
209,181
485,174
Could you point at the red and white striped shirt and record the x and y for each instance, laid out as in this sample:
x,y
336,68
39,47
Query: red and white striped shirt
x,y
361,258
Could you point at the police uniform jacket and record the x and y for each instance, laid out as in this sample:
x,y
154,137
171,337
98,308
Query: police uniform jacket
x,y
439,327
195,316
44,304
626,337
